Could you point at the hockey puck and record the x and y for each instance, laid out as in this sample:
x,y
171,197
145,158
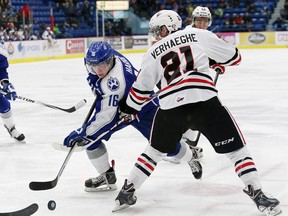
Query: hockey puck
x,y
51,205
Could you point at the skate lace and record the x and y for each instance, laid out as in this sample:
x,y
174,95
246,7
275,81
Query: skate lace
x,y
194,166
98,179
15,133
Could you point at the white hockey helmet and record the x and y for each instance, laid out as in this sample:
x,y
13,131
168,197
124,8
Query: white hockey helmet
x,y
201,12
168,18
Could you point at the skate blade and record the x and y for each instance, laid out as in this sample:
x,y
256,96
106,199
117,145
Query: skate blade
x,y
120,207
273,212
111,187
18,141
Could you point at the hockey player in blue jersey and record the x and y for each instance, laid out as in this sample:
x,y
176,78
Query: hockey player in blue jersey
x,y
110,76
7,93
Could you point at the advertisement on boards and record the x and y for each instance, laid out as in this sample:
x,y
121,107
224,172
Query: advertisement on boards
x,y
257,38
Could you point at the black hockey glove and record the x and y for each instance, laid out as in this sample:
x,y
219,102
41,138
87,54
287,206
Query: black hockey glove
x,y
126,112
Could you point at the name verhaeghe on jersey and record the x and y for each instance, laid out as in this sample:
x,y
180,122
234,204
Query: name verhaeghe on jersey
x,y
186,38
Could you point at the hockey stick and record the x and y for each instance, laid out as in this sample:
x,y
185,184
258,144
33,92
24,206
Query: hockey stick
x,y
60,147
23,212
69,110
34,185
195,142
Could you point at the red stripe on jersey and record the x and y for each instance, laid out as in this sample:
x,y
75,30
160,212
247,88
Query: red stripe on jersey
x,y
138,97
244,165
189,80
145,164
238,61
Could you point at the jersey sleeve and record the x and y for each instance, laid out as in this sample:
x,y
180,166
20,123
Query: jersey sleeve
x,y
143,88
3,63
219,50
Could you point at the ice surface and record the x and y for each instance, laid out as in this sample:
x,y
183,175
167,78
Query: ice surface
x,y
256,92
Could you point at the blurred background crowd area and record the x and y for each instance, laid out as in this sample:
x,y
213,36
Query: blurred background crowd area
x,y
30,19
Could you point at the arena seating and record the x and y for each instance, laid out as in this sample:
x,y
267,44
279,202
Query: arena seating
x,y
260,17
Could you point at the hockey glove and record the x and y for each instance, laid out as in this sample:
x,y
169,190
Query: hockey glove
x,y
218,68
128,114
76,137
9,89
125,108
127,117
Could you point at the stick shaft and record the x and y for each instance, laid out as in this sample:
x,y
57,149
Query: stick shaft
x,y
51,184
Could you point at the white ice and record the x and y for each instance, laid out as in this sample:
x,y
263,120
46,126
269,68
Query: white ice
x,y
256,92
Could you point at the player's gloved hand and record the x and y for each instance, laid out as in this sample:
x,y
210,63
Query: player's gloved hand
x,y
218,68
76,137
127,113
127,117
9,89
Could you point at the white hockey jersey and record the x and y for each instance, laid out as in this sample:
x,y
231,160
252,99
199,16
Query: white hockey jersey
x,y
180,63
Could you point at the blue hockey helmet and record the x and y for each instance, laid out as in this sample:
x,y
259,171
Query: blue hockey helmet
x,y
99,52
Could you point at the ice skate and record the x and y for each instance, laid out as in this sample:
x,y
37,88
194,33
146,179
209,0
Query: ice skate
x,y
197,155
195,165
192,145
104,182
15,134
198,152
126,197
267,205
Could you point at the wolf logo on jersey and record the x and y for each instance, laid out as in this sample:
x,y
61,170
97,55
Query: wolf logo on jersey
x,y
113,83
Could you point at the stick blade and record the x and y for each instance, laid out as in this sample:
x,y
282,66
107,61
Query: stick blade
x,y
37,186
23,212
80,104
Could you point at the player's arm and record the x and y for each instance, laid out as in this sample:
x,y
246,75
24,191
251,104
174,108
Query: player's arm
x,y
216,66
5,85
222,52
106,110
143,87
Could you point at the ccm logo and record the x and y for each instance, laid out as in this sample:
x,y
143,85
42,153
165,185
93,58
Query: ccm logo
x,y
224,142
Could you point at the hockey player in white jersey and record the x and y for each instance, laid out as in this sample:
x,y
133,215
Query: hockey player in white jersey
x,y
110,76
201,19
188,99
7,94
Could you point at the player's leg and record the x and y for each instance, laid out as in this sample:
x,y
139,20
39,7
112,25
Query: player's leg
x,y
98,155
107,178
192,139
221,130
6,115
142,169
247,172
165,137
